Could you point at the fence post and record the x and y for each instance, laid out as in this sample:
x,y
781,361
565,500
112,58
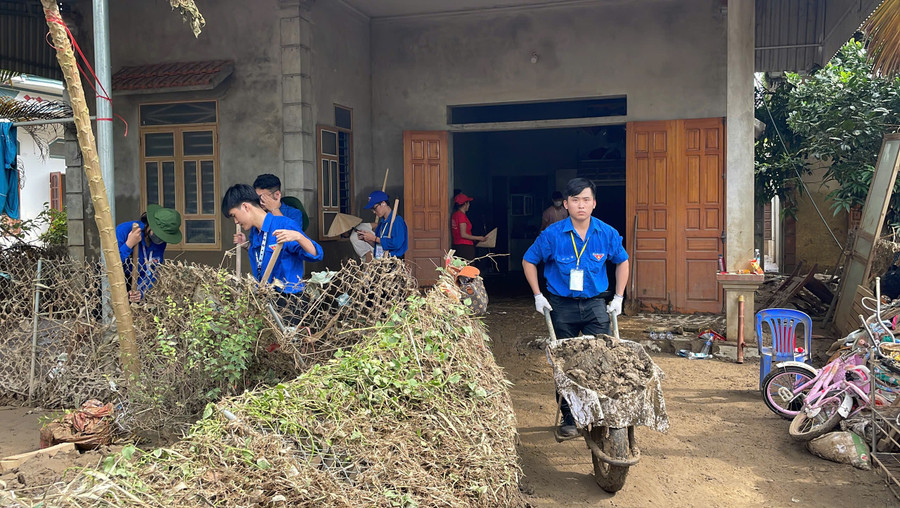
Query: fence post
x,y
34,333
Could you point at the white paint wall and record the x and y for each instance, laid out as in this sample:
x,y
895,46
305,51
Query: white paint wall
x,y
667,56
36,189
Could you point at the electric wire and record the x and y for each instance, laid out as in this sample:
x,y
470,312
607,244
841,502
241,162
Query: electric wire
x,y
799,178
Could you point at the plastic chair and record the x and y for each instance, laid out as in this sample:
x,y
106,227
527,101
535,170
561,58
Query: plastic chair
x,y
782,325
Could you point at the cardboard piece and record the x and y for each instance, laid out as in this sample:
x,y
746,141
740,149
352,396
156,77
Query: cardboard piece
x,y
490,240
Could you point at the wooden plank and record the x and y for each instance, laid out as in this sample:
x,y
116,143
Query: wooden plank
x,y
872,221
796,284
14,461
848,320
768,303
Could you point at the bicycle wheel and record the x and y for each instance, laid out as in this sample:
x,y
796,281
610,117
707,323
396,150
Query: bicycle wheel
x,y
778,390
804,428
610,478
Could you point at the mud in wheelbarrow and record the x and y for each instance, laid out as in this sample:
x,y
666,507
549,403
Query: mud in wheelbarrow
x,y
611,386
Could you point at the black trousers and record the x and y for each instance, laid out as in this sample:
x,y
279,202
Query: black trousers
x,y
572,317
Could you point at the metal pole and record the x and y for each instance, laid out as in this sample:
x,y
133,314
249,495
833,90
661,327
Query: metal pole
x,y
46,122
34,333
104,122
104,106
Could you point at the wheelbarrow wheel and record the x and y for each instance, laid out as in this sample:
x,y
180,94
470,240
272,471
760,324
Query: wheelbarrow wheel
x,y
614,443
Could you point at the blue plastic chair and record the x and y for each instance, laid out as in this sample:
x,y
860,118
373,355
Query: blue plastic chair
x,y
780,344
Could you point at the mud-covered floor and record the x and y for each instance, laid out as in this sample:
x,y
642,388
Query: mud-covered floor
x,y
725,448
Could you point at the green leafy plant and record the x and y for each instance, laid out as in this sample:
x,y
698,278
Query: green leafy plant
x,y
838,116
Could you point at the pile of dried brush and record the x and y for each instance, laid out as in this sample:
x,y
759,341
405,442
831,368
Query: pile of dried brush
x,y
416,413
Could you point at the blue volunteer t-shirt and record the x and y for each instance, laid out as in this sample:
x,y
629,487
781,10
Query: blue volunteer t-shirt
x,y
554,246
289,265
395,244
149,254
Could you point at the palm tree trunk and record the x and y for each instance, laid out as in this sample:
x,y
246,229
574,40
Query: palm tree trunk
x,y
118,294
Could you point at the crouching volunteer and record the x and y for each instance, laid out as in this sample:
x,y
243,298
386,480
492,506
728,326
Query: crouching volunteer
x,y
387,239
574,252
242,205
157,228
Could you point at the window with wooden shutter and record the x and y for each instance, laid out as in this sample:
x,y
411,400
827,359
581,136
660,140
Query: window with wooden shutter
x,y
180,167
57,190
335,174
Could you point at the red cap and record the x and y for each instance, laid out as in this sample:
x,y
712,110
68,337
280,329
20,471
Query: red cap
x,y
461,198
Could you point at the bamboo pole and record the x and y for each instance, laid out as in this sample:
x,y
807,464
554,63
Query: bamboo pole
x,y
384,185
393,217
237,251
135,259
271,265
128,351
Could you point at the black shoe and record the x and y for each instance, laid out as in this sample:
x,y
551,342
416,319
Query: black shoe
x,y
568,430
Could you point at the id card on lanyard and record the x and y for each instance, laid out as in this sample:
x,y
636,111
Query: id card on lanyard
x,y
576,276
261,254
379,250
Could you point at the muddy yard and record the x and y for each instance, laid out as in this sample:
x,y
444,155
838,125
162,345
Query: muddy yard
x,y
724,447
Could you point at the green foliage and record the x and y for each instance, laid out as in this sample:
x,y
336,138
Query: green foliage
x,y
57,232
55,222
210,336
838,115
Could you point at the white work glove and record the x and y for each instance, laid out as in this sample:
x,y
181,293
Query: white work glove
x,y
615,306
541,303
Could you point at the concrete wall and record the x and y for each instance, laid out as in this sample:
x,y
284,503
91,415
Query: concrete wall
x,y
249,102
814,243
341,74
253,115
667,56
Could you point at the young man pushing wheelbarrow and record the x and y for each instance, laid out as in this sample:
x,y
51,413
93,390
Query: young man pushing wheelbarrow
x,y
574,252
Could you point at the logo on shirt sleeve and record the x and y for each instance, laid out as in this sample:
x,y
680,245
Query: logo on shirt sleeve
x,y
598,256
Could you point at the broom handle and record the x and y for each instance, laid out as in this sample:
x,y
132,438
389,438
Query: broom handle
x,y
237,252
384,185
271,265
393,217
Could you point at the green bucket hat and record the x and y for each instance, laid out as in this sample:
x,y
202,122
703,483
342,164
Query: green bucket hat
x,y
165,223
293,202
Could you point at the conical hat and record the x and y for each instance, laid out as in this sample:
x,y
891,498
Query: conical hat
x,y
343,223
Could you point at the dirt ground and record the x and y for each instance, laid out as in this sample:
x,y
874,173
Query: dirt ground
x,y
724,448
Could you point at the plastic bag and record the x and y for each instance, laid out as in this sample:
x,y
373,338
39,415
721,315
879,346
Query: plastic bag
x,y
841,447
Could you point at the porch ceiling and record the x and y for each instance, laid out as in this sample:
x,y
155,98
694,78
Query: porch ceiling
x,y
404,8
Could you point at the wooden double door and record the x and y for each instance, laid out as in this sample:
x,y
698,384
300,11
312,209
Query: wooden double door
x,y
675,192
675,181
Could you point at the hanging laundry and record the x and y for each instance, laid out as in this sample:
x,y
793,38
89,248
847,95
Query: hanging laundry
x,y
9,173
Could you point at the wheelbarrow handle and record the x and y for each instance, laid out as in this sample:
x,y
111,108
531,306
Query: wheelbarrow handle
x,y
614,320
549,324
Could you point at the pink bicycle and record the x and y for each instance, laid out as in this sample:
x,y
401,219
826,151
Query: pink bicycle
x,y
841,388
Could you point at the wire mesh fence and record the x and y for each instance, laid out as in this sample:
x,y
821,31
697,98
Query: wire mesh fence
x,y
202,333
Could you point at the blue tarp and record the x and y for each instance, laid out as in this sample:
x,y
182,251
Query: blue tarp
x,y
9,174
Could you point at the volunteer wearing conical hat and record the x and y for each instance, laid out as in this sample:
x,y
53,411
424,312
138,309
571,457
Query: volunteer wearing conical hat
x,y
157,228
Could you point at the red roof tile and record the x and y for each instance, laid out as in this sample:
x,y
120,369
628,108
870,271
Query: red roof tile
x,y
181,75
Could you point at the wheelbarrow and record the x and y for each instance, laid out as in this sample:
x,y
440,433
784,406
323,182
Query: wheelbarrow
x,y
607,421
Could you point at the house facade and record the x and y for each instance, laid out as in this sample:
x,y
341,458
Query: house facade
x,y
504,100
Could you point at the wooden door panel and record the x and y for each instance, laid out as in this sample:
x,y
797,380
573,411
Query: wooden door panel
x,y
648,168
699,213
426,197
675,192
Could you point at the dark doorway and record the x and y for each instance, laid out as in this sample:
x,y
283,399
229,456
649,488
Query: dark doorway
x,y
512,174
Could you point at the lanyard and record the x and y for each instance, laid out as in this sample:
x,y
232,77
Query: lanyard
x,y
384,222
578,254
262,253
